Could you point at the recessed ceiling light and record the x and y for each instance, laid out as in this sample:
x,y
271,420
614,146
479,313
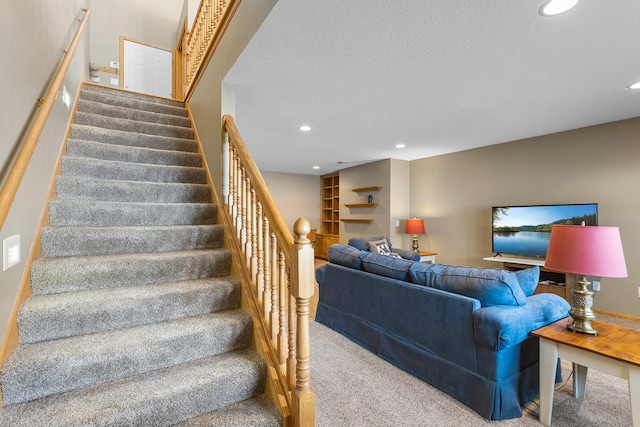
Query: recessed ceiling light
x,y
305,128
556,7
400,145
316,167
343,162
636,85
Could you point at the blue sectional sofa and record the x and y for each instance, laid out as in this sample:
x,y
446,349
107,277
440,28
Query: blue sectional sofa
x,y
463,330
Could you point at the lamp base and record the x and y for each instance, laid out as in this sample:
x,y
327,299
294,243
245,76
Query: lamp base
x,y
581,308
415,243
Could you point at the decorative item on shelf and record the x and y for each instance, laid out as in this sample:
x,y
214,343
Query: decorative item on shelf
x,y
585,251
370,199
414,226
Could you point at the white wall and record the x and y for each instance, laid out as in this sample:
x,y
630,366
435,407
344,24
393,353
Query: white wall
x,y
455,192
296,196
153,23
40,31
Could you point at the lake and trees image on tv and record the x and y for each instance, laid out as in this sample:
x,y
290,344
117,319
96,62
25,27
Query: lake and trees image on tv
x,y
525,230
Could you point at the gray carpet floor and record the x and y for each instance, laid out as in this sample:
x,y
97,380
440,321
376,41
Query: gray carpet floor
x,y
356,388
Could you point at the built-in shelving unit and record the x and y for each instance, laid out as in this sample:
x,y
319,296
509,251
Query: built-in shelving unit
x,y
329,214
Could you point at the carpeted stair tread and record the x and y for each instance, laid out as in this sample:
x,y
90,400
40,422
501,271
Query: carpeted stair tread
x,y
132,125
55,316
107,110
74,213
121,153
132,138
83,241
50,367
255,412
121,101
106,169
111,91
157,398
73,187
86,273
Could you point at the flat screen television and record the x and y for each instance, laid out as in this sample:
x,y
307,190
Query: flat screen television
x,y
525,230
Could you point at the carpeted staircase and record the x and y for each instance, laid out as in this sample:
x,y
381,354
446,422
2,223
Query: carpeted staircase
x,y
134,318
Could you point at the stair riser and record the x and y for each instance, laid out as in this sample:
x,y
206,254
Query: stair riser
x,y
132,103
80,241
151,399
70,187
115,356
74,213
119,153
105,110
49,317
132,126
133,139
57,275
101,169
132,95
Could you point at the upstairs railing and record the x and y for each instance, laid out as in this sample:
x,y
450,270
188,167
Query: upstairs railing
x,y
208,27
279,277
45,105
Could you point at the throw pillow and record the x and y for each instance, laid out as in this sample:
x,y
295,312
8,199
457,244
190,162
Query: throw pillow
x,y
379,247
528,279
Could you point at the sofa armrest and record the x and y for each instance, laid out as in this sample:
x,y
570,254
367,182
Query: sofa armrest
x,y
499,327
406,254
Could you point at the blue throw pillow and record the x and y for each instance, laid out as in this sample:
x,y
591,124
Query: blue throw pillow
x,y
362,243
346,256
528,279
490,286
388,266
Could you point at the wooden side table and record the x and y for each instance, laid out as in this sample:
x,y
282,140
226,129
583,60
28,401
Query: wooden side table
x,y
615,351
428,257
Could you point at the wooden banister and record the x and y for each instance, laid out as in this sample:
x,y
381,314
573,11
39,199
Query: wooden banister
x,y
11,185
277,273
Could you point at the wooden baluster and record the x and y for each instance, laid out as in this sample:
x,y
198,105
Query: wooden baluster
x,y
283,302
266,296
260,251
249,227
243,209
232,173
234,188
302,269
291,359
273,313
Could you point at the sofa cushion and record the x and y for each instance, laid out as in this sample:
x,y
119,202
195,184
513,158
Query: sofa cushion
x,y
490,286
346,256
395,268
528,279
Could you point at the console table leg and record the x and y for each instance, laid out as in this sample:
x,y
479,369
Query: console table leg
x,y
579,380
548,364
634,394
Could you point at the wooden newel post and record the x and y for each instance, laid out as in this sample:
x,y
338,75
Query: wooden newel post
x,y
302,288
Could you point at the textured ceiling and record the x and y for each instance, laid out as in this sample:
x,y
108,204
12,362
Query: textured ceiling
x,y
437,76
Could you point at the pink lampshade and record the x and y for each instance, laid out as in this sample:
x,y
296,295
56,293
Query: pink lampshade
x,y
586,250
414,226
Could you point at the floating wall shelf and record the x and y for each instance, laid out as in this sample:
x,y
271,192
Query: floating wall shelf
x,y
361,205
361,220
365,189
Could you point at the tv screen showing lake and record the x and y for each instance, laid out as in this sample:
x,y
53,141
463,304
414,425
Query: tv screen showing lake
x,y
532,243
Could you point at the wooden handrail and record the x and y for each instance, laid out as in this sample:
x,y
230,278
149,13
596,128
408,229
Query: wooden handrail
x,y
277,275
11,185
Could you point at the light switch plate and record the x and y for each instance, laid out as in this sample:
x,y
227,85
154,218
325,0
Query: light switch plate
x,y
114,81
10,251
114,64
